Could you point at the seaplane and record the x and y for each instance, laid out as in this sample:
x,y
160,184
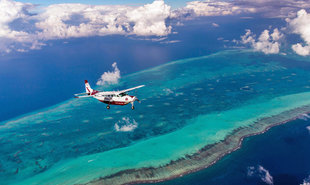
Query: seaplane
x,y
110,97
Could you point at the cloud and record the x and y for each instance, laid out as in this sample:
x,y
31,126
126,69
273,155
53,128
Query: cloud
x,y
261,173
304,117
110,77
168,91
272,8
209,8
301,50
267,8
212,8
125,125
306,181
266,43
21,29
150,19
301,26
10,11
215,25
170,41
308,128
62,21
13,38
171,92
56,20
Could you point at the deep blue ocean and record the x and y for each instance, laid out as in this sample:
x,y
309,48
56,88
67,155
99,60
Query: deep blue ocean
x,y
284,151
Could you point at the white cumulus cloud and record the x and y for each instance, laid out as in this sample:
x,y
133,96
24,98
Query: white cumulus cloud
x,y
210,8
215,25
261,173
125,125
301,50
24,26
11,11
272,8
304,117
150,19
62,21
110,77
56,20
301,26
267,8
306,181
266,42
308,128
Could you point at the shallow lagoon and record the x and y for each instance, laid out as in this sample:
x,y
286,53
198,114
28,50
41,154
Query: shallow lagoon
x,y
198,98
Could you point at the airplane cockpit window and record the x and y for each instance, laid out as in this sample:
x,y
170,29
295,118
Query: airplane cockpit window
x,y
122,94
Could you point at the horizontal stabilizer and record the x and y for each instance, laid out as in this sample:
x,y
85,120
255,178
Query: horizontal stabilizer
x,y
87,96
79,94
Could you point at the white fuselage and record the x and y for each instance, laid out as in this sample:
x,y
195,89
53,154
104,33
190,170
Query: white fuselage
x,y
113,98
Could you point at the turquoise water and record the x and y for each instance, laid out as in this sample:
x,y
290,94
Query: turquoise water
x,y
283,151
160,150
185,105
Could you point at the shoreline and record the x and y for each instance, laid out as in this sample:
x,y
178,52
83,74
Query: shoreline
x,y
204,157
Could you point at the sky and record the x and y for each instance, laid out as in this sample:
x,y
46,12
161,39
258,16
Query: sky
x,y
172,3
26,26
47,51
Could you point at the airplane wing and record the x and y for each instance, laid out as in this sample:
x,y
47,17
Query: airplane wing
x,y
82,95
130,89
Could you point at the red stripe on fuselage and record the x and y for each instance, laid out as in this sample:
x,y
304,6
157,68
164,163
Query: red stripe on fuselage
x,y
115,102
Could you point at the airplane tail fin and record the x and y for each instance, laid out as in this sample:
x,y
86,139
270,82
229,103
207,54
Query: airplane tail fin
x,y
88,89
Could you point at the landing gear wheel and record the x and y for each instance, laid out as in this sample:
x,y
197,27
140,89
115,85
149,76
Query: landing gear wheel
x,y
132,107
108,106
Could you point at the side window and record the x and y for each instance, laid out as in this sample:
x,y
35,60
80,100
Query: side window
x,y
123,94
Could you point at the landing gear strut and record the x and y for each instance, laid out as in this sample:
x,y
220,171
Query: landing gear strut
x,y
108,106
132,106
